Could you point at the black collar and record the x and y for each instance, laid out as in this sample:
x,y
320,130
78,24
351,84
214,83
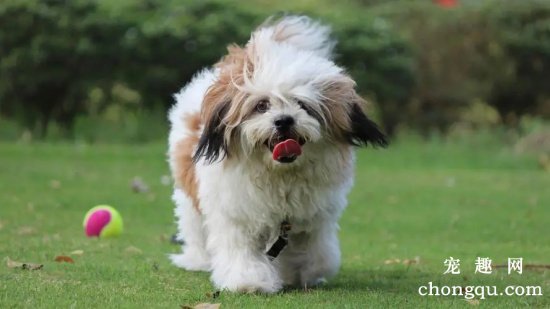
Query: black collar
x,y
281,242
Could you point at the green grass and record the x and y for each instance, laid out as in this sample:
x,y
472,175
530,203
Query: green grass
x,y
427,200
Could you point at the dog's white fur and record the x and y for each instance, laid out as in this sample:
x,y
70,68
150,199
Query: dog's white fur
x,y
244,196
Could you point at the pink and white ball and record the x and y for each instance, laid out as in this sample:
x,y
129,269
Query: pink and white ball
x,y
103,221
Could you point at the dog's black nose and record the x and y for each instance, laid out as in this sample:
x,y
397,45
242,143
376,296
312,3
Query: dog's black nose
x,y
283,122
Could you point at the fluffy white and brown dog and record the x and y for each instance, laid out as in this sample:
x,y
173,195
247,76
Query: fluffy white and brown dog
x,y
263,139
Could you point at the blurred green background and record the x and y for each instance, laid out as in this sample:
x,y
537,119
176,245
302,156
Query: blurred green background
x,y
104,71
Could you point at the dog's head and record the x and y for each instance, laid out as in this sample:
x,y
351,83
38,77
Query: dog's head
x,y
279,93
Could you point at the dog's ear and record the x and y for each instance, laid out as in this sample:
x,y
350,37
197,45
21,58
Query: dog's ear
x,y
221,106
363,131
212,144
348,121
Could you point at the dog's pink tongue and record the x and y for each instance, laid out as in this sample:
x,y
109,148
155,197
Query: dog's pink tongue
x,y
288,148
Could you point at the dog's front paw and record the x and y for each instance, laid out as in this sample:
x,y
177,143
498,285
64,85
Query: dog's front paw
x,y
244,285
247,279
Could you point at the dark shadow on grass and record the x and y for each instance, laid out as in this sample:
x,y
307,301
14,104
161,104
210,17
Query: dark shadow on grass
x,y
406,280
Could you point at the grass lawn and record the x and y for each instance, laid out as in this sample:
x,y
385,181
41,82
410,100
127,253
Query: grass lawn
x,y
427,200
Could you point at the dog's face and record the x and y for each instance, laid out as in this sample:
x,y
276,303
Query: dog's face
x,y
275,119
270,100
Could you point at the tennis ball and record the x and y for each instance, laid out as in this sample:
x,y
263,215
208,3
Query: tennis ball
x,y
103,221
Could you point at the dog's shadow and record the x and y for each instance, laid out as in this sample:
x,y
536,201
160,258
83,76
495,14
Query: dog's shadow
x,y
406,280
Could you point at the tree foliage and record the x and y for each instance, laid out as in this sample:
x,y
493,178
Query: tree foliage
x,y
421,64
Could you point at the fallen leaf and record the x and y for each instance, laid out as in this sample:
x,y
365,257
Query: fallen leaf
x,y
207,306
13,264
55,184
30,266
64,258
133,250
392,261
77,252
1,225
138,185
25,230
201,306
416,260
473,302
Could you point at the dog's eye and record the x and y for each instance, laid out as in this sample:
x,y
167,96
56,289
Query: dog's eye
x,y
310,110
262,106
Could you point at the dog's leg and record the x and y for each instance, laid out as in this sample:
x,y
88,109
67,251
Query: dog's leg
x,y
293,258
191,231
322,254
239,263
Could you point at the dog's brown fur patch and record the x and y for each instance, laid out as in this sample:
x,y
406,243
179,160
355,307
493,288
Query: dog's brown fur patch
x,y
184,172
223,91
340,98
234,68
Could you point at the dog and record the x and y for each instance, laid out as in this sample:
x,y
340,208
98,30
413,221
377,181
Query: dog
x,y
261,148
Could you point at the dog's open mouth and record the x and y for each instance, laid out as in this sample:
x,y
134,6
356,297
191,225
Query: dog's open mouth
x,y
285,148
